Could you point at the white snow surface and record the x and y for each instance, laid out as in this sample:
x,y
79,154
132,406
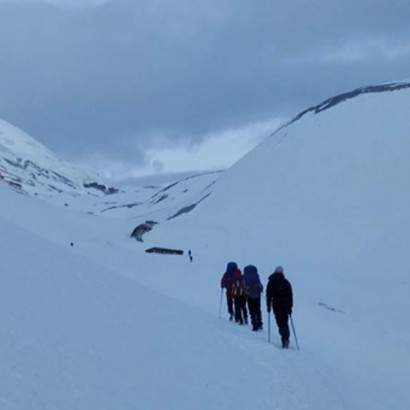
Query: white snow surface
x,y
104,325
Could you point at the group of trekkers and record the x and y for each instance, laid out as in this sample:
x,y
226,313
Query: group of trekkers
x,y
243,293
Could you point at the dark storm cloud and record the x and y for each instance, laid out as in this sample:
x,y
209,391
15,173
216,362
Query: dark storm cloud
x,y
108,78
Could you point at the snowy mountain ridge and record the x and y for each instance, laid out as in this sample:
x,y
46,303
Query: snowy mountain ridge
x,y
31,168
331,102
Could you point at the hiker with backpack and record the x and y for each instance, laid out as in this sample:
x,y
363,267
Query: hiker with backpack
x,y
279,297
232,272
253,289
239,299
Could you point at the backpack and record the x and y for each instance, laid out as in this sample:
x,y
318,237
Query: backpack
x,y
280,290
238,288
254,290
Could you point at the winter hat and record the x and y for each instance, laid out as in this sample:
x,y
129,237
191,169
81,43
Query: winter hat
x,y
279,269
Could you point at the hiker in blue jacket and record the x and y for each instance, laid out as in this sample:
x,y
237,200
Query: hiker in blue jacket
x,y
253,289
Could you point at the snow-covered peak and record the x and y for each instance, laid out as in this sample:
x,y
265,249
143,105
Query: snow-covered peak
x,y
31,168
16,142
333,101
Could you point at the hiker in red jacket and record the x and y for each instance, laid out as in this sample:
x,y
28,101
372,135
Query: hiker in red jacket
x,y
227,280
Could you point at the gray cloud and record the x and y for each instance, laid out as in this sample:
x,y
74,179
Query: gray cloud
x,y
108,78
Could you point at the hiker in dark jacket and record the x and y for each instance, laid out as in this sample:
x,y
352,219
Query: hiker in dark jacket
x,y
227,280
253,288
279,297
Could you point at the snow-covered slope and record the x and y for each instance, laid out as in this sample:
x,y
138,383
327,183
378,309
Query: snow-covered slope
x,y
102,324
76,336
81,330
163,201
327,197
331,187
29,167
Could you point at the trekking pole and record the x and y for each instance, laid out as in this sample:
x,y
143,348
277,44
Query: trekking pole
x,y
294,332
220,304
268,327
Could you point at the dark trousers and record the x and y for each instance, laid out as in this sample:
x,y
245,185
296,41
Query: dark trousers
x,y
254,306
241,313
281,317
229,302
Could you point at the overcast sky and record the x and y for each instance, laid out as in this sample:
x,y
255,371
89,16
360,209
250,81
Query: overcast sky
x,y
141,86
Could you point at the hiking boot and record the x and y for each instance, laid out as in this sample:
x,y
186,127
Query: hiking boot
x,y
231,318
241,322
246,321
285,344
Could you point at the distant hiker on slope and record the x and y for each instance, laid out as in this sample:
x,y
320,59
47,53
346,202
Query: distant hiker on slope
x,y
239,299
253,289
227,280
279,297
